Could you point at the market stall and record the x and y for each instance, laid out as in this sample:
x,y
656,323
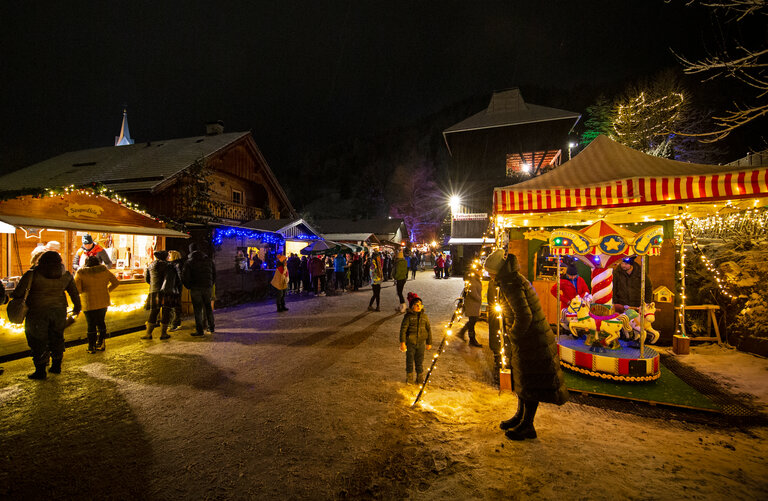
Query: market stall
x,y
613,183
58,220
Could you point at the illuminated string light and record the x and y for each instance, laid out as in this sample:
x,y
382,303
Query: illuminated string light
x,y
10,328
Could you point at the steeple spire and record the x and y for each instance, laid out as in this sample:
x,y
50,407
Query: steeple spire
x,y
125,135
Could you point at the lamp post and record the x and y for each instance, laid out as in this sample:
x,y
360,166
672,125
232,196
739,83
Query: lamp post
x,y
455,203
571,145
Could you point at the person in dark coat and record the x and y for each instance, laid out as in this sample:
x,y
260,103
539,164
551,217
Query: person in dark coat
x,y
47,315
199,276
306,281
531,346
156,301
473,298
626,284
356,272
172,288
413,264
294,281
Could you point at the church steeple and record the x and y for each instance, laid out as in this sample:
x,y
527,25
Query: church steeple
x,y
125,135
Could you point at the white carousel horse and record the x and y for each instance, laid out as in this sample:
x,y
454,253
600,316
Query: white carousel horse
x,y
650,317
602,331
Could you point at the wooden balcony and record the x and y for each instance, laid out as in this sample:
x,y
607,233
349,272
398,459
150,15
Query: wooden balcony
x,y
228,210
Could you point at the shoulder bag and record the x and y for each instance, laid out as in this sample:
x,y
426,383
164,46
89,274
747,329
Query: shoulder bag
x,y
17,308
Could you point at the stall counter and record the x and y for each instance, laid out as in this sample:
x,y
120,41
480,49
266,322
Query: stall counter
x,y
127,312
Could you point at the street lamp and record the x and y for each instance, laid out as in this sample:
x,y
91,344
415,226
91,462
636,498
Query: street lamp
x,y
571,145
455,203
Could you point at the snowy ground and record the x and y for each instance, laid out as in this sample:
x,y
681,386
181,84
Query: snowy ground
x,y
310,404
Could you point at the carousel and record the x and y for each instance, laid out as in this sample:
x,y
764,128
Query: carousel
x,y
593,337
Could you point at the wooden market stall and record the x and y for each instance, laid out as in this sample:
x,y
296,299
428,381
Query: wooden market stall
x,y
611,182
129,236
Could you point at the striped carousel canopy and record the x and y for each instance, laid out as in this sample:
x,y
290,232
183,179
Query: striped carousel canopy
x,y
608,176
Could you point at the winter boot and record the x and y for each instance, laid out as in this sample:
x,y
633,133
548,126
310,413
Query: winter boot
x,y
150,328
473,341
514,420
419,378
55,367
39,372
101,344
525,429
91,342
462,334
164,331
408,378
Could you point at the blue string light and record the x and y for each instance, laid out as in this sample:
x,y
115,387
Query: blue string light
x,y
220,233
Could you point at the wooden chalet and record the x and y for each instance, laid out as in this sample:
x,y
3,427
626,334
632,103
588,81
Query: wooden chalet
x,y
157,175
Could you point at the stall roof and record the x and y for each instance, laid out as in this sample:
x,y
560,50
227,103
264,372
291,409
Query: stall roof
x,y
352,237
610,180
54,224
78,211
287,227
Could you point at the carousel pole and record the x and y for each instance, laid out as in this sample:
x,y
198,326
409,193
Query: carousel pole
x,y
642,306
559,310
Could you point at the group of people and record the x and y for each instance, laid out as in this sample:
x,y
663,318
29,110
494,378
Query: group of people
x,y
165,276
320,274
443,264
45,286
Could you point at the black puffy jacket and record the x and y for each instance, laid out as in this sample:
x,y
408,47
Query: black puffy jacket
x,y
155,275
532,348
199,272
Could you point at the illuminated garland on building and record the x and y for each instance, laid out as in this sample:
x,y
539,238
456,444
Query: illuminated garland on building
x,y
220,233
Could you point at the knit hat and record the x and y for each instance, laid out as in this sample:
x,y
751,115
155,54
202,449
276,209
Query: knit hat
x,y
162,255
495,261
87,239
629,259
53,245
571,269
412,298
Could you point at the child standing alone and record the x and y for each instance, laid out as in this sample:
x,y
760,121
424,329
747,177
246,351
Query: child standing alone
x,y
415,337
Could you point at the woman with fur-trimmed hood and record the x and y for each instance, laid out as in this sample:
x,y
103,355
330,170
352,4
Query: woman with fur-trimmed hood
x,y
530,346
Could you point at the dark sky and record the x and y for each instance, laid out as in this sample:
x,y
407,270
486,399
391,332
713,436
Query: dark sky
x,y
301,73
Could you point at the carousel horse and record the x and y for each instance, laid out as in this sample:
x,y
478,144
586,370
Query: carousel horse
x,y
602,331
650,317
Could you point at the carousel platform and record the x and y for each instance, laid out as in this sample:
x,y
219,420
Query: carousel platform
x,y
621,365
668,390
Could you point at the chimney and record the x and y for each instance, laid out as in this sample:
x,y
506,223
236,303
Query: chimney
x,y
214,128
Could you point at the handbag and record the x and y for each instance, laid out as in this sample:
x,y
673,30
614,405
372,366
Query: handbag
x,y
17,308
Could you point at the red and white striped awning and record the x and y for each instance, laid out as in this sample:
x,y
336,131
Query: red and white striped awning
x,y
635,191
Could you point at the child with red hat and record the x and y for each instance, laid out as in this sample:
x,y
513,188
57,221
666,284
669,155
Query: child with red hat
x,y
415,338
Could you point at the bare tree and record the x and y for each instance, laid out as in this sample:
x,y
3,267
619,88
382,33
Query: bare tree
x,y
737,61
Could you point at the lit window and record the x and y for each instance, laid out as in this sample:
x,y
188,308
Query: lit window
x,y
237,197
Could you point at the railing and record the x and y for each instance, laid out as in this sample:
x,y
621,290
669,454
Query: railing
x,y
244,213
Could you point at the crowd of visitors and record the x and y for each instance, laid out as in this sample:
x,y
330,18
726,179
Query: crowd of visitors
x,y
45,285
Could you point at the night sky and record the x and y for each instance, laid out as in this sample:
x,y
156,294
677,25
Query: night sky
x,y
300,74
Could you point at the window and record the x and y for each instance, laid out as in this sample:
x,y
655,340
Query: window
x,y
237,197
